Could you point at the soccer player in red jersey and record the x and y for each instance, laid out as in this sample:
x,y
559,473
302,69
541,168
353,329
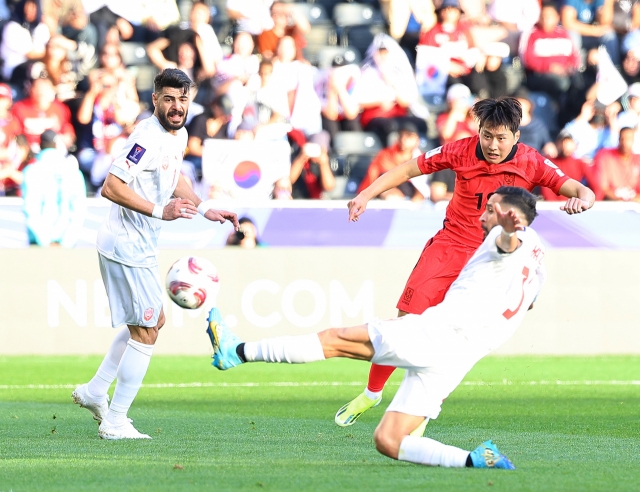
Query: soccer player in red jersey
x,y
482,164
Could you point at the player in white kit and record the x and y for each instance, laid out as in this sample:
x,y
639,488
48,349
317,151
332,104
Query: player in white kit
x,y
141,184
481,310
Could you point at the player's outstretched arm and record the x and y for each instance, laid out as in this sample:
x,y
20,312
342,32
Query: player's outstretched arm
x,y
117,191
389,180
580,198
184,191
507,240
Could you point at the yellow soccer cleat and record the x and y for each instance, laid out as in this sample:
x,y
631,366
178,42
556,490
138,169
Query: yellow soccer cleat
x,y
351,412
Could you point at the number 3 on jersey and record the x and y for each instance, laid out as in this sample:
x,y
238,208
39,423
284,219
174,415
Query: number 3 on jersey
x,y
508,314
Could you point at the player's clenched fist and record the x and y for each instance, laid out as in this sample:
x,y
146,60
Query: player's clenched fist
x,y
179,208
357,206
575,206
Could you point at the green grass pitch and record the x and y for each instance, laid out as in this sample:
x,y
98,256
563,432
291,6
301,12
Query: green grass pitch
x,y
278,434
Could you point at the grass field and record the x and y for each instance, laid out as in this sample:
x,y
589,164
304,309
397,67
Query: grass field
x,y
580,435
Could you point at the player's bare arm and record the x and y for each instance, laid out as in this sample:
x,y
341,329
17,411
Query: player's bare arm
x,y
185,192
117,191
389,180
580,198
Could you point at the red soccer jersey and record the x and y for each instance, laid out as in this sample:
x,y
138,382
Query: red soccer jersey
x,y
476,179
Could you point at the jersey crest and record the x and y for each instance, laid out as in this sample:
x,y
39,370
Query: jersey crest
x,y
509,179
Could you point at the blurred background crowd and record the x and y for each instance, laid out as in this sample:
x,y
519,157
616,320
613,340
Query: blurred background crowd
x,y
355,88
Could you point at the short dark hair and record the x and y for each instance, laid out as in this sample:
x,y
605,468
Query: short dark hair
x,y
172,77
549,3
494,113
519,198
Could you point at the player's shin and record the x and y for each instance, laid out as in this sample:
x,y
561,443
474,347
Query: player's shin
x,y
289,349
425,451
106,374
131,372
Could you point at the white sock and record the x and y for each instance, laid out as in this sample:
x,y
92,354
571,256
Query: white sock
x,y
372,395
131,371
293,350
99,385
425,451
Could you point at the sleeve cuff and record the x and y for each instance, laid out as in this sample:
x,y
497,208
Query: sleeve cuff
x,y
121,173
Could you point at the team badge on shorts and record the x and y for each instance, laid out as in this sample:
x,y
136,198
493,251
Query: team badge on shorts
x,y
408,294
136,153
148,314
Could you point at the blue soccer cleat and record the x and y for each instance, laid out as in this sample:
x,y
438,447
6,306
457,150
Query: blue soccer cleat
x,y
487,456
224,342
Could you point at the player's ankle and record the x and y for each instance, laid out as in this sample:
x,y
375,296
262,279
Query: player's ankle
x,y
372,395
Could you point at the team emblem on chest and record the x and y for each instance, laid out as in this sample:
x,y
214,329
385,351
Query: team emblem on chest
x,y
165,163
509,179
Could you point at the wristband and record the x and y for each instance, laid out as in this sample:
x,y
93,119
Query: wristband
x,y
157,211
508,234
202,208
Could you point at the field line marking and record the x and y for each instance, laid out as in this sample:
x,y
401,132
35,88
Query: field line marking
x,y
504,382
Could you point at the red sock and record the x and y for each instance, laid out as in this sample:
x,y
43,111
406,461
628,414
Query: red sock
x,y
378,376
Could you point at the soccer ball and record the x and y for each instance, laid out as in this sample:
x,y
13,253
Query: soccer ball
x,y
192,281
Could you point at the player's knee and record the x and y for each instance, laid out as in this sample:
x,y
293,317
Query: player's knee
x,y
386,443
329,338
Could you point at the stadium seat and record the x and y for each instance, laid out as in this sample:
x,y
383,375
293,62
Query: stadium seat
x,y
356,14
326,55
134,54
545,109
355,150
314,13
320,36
360,37
327,4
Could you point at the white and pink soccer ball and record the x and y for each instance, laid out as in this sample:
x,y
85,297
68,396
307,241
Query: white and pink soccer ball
x,y
193,281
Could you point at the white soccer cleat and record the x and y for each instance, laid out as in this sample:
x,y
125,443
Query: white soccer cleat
x,y
97,406
116,432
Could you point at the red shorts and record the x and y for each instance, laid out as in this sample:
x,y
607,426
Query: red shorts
x,y
439,265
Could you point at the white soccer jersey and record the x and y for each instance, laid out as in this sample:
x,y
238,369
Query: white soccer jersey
x,y
150,164
490,297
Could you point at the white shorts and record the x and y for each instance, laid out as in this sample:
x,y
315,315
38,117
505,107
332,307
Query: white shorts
x,y
434,354
135,293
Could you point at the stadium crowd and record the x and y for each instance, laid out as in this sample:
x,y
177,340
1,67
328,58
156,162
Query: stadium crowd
x,y
355,88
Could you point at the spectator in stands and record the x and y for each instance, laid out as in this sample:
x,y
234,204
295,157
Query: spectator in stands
x,y
286,22
516,17
595,128
296,78
479,68
237,75
458,119
334,86
387,89
589,23
631,40
574,168
533,131
311,173
403,150
548,54
267,109
282,189
72,21
10,173
619,169
60,68
631,117
408,19
252,16
213,123
110,61
631,66
181,46
246,236
106,111
24,38
54,196
443,183
41,111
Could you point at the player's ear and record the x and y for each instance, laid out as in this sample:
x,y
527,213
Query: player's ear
x,y
516,135
154,99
